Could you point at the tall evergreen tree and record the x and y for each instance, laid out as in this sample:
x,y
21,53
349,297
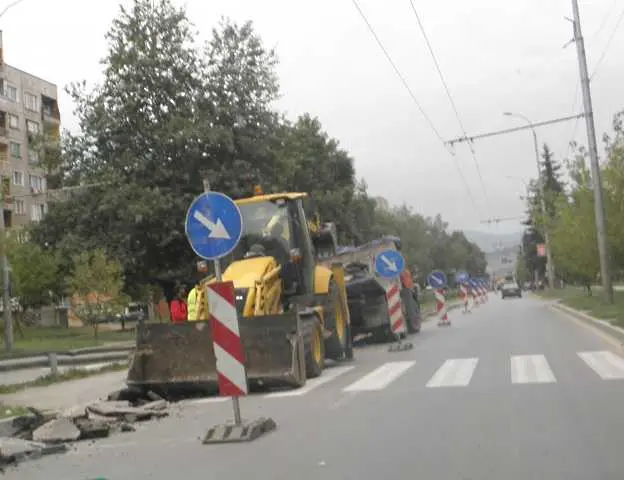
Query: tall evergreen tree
x,y
550,174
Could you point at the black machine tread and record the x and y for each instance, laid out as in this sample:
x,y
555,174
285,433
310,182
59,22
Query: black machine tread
x,y
334,348
308,324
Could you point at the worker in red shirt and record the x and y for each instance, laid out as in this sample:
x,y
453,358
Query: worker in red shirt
x,y
177,309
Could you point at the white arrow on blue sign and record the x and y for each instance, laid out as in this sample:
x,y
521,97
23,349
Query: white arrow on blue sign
x,y
389,264
213,225
436,279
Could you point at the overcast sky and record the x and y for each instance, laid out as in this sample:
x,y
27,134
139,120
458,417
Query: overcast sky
x,y
496,56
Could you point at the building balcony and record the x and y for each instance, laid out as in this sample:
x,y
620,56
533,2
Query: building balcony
x,y
49,110
49,117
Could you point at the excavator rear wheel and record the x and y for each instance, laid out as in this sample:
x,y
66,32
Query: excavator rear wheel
x,y
313,346
336,322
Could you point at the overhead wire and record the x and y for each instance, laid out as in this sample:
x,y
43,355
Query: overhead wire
x,y
606,48
449,95
415,100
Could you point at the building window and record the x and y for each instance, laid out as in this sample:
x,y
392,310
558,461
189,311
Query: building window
x,y
11,92
18,178
32,127
36,212
31,102
13,121
37,183
16,150
19,207
33,156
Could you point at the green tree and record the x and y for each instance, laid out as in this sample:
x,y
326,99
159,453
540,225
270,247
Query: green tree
x,y
613,182
96,285
241,85
35,274
534,232
523,274
164,117
550,174
573,239
313,162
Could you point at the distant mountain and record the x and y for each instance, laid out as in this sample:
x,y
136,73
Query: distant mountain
x,y
494,242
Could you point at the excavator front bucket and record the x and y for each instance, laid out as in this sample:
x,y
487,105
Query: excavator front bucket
x,y
178,359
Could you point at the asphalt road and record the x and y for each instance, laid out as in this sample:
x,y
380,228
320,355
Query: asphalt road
x,y
511,391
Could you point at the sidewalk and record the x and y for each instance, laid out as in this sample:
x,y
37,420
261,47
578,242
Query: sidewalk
x,y
64,395
25,375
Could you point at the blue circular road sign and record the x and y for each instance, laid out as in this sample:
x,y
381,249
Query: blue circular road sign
x,y
389,264
461,277
213,225
436,279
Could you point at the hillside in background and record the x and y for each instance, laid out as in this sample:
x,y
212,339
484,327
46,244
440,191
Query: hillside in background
x,y
492,242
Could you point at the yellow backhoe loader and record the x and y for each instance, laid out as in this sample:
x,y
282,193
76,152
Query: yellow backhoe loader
x,y
293,311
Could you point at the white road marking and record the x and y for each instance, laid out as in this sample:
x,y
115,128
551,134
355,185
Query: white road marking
x,y
606,364
531,369
328,376
456,372
380,378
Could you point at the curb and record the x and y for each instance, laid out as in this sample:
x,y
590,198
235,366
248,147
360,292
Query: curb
x,y
64,360
602,325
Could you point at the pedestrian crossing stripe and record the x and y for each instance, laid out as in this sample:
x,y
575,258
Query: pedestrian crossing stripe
x,y
453,372
381,377
607,365
531,369
456,372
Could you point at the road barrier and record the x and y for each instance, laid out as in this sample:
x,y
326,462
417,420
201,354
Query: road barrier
x,y
441,307
230,363
397,320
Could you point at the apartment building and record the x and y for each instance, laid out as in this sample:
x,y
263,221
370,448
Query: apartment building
x,y
29,117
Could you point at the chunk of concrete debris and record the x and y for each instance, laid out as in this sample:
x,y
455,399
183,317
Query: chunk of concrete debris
x,y
57,431
15,450
90,429
123,409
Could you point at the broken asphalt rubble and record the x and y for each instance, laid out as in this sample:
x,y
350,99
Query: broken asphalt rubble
x,y
42,433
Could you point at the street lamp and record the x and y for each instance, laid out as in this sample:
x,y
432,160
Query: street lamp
x,y
549,263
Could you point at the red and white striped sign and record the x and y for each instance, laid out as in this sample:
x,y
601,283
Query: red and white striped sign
x,y
441,306
393,297
463,292
226,340
474,291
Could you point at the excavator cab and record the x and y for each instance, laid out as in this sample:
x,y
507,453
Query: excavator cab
x,y
275,237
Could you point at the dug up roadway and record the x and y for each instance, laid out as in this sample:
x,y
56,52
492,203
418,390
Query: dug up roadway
x,y
513,390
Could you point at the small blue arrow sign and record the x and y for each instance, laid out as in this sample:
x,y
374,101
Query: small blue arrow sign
x,y
213,225
389,264
461,277
436,279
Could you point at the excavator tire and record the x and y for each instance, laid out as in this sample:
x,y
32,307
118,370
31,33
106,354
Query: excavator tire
x,y
337,346
313,346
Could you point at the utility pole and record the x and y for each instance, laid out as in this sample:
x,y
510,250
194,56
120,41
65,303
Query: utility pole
x,y
601,234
